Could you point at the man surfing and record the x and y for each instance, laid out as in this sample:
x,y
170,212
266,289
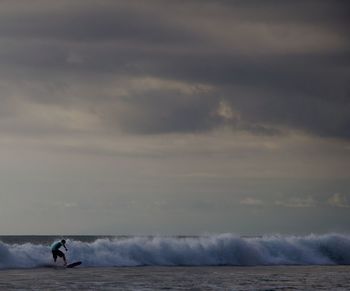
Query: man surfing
x,y
55,248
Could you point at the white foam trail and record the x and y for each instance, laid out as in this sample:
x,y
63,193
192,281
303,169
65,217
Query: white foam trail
x,y
223,249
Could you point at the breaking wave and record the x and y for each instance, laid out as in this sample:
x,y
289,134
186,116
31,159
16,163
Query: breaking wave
x,y
213,250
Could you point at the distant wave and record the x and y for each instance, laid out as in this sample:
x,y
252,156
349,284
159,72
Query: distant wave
x,y
213,250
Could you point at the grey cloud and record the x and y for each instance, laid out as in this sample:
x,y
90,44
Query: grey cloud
x,y
251,201
89,21
338,200
164,114
271,86
298,202
290,11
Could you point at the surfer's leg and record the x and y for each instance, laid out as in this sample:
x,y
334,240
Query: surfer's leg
x,y
64,259
61,255
54,255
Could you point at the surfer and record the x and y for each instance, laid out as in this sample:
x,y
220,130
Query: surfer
x,y
55,248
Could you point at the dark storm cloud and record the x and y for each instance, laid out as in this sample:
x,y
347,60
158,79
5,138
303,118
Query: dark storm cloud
x,y
161,112
89,21
256,56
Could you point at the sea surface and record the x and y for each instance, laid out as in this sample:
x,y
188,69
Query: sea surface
x,y
210,262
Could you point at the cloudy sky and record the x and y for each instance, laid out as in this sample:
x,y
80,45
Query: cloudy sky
x,y
174,117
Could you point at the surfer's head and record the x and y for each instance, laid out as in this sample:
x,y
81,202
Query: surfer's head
x,y
63,241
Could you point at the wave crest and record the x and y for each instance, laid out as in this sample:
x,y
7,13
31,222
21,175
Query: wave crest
x,y
213,250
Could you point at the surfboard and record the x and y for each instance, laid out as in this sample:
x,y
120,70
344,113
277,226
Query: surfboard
x,y
72,265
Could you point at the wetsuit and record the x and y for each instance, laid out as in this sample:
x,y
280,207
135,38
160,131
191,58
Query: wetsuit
x,y
55,248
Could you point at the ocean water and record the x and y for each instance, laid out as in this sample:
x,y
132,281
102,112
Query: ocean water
x,y
212,262
179,278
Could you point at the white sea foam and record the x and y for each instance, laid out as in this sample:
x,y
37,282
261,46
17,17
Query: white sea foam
x,y
223,249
